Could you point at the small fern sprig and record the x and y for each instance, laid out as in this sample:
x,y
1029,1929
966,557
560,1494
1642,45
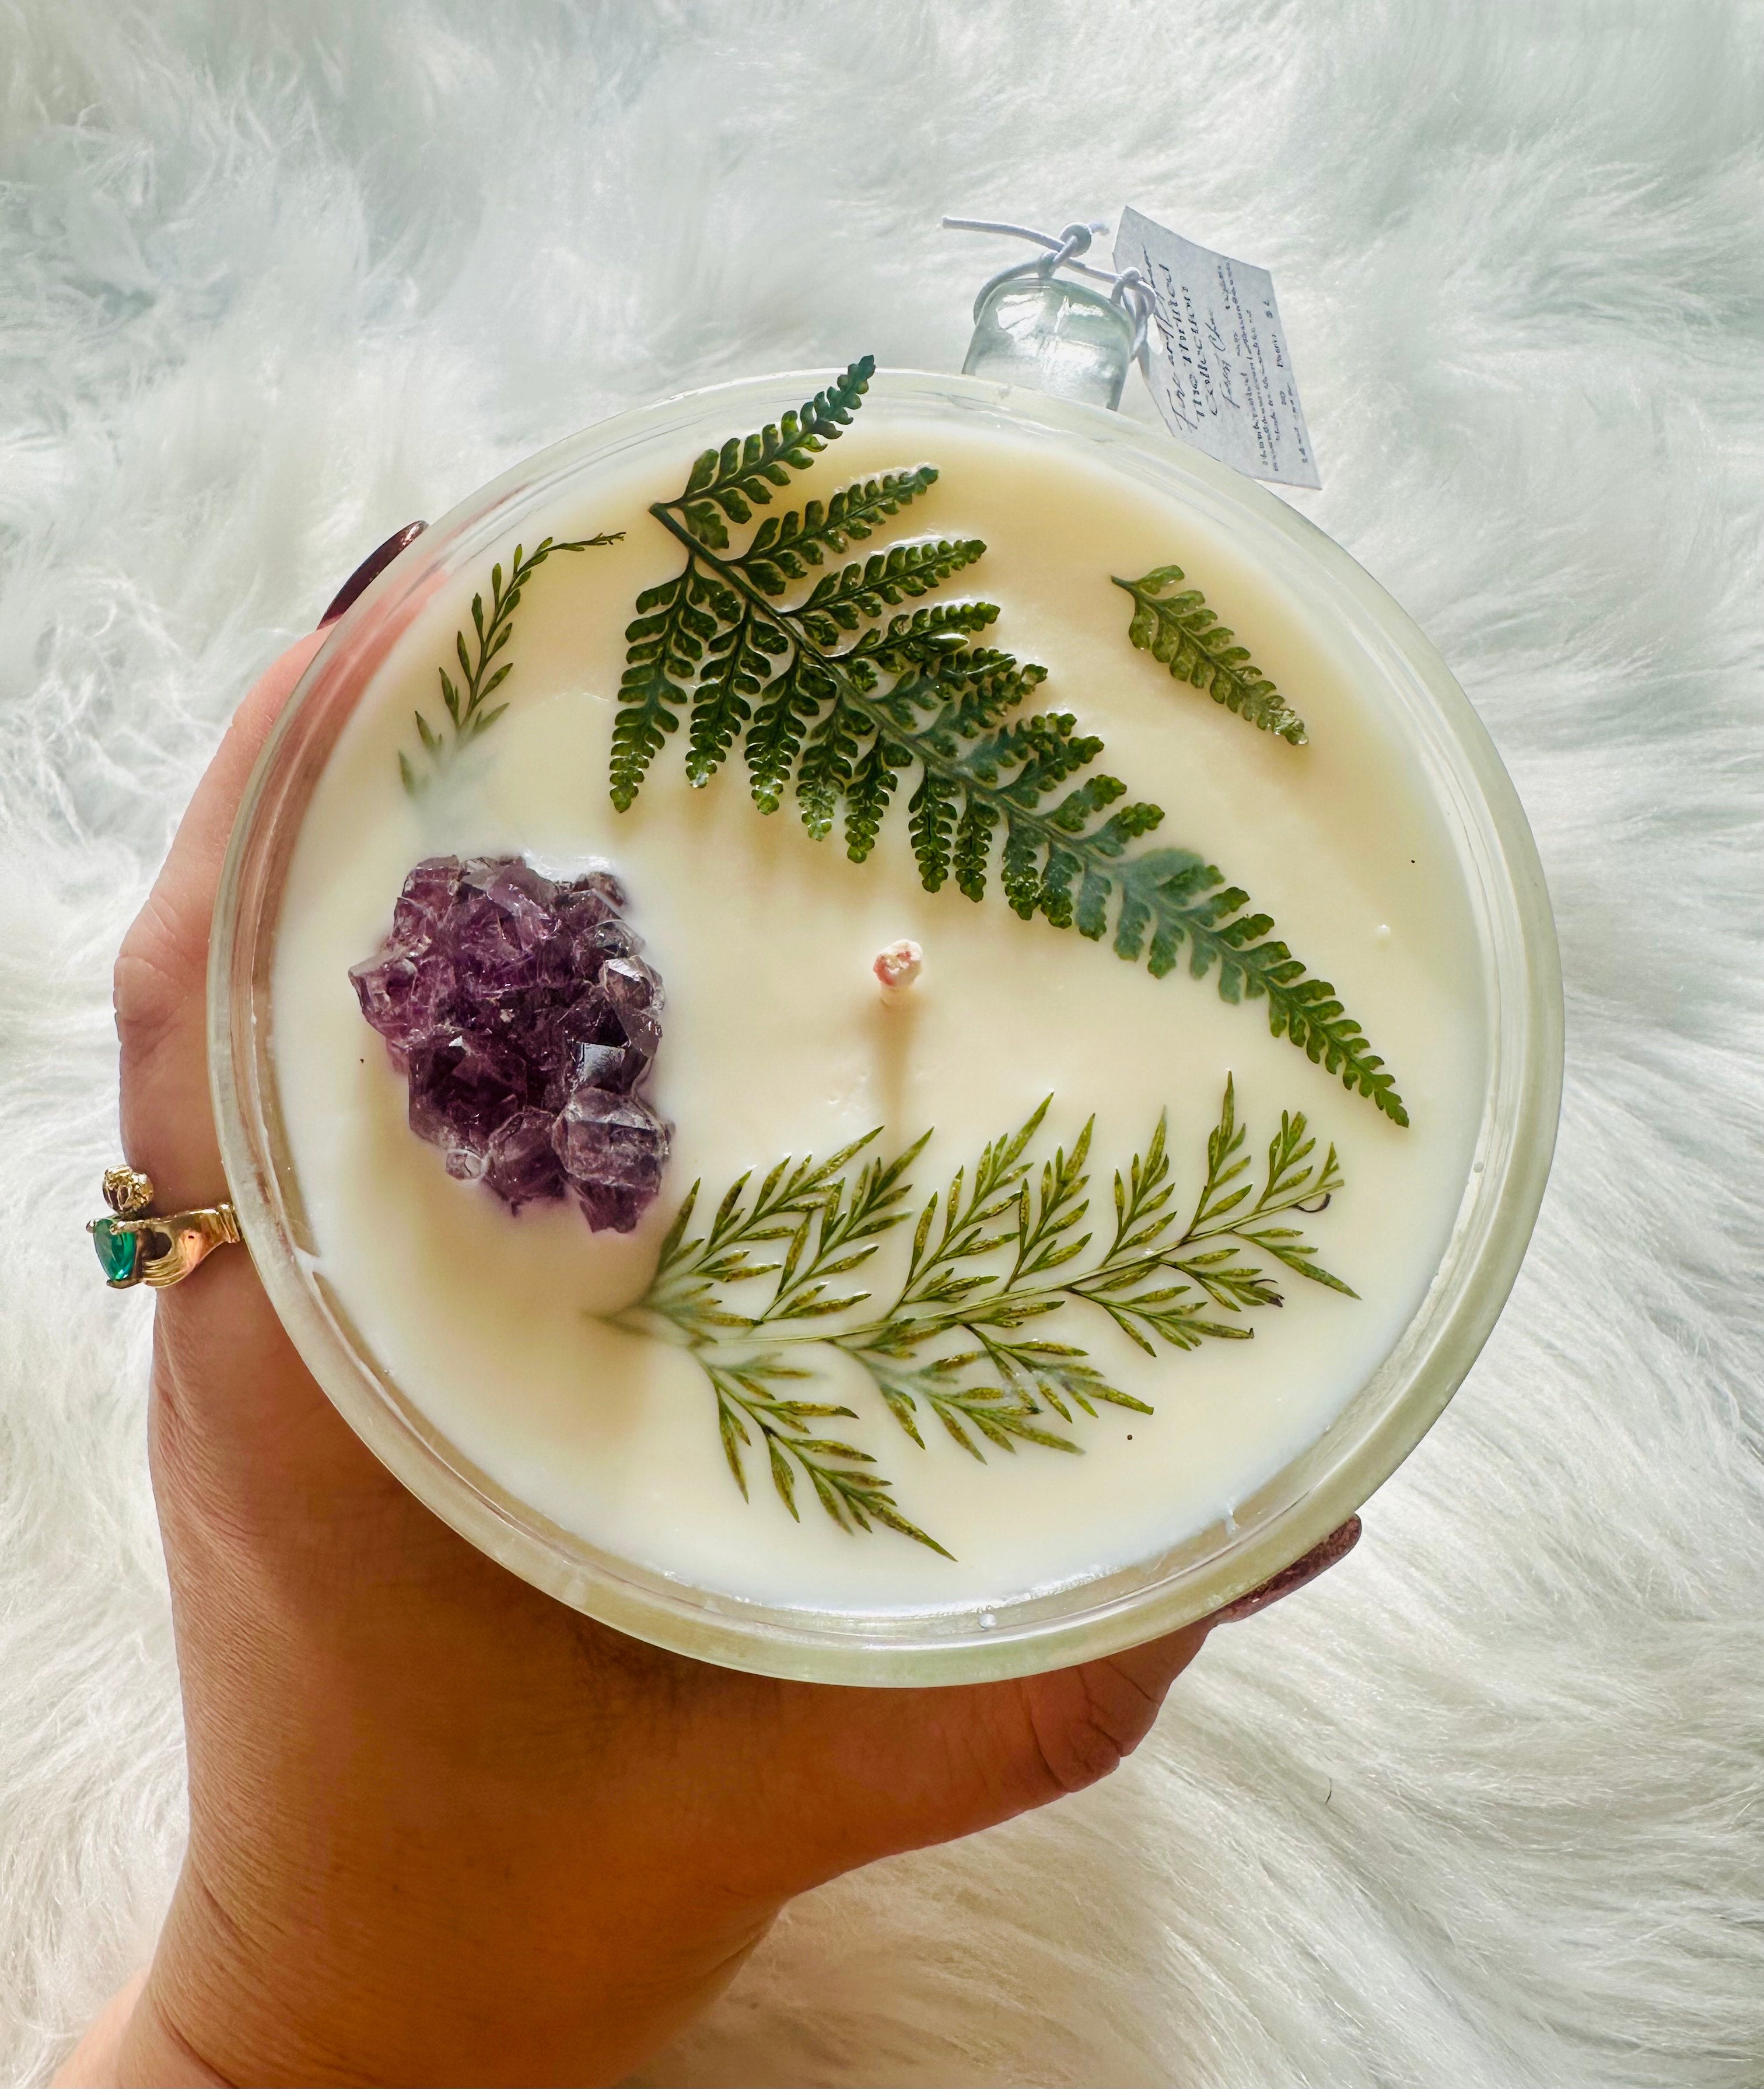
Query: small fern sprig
x,y
466,701
1002,1248
841,692
686,1289
746,1406
1181,631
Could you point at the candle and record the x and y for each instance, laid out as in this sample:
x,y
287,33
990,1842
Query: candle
x,y
811,1000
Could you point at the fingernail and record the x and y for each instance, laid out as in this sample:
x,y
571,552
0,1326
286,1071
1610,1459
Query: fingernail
x,y
370,568
1318,1560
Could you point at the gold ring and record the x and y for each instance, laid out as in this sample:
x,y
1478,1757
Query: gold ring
x,y
137,1246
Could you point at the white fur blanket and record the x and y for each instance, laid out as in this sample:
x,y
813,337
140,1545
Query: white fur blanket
x,y
1483,1808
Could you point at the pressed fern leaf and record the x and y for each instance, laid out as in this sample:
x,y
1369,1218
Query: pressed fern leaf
x,y
1179,628
1004,1247
726,484
837,691
852,1496
466,701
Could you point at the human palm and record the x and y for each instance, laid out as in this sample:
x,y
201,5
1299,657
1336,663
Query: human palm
x,y
442,1827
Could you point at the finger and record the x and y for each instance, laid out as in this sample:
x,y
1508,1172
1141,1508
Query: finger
x,y
862,1774
192,867
168,1127
200,846
1304,1570
1087,1720
1150,1669
1002,1748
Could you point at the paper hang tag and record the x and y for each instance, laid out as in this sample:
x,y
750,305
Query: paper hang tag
x,y
1218,366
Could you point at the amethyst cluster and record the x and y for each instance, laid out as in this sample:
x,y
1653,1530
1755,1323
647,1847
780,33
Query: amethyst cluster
x,y
525,1021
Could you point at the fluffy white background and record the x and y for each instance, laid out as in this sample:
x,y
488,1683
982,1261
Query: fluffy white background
x,y
1484,1807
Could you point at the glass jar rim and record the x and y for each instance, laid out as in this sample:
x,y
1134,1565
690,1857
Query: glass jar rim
x,y
1314,1492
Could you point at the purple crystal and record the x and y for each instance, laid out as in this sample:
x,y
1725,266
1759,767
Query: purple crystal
x,y
593,1050
528,900
487,949
524,1020
613,1067
635,991
584,901
613,1149
606,939
521,1165
464,1083
430,889
401,995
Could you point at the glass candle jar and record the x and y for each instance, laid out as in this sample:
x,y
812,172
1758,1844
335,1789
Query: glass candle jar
x,y
1517,996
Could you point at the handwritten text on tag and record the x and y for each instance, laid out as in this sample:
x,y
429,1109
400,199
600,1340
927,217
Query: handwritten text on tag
x,y
1220,371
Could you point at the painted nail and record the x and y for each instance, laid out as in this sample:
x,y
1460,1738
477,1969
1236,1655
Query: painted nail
x,y
1318,1560
370,568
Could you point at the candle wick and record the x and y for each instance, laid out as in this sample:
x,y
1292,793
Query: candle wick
x,y
898,966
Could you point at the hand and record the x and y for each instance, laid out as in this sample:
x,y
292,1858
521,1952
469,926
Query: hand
x,y
443,1829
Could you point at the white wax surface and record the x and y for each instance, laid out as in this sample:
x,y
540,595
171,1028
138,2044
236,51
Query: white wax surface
x,y
778,1040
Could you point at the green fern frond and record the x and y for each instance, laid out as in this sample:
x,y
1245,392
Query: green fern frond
x,y
1006,1246
1171,897
1181,631
854,1497
784,546
737,665
726,484
840,695
841,602
465,702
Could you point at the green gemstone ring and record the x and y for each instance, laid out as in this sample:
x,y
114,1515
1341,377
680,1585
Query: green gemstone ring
x,y
137,1246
